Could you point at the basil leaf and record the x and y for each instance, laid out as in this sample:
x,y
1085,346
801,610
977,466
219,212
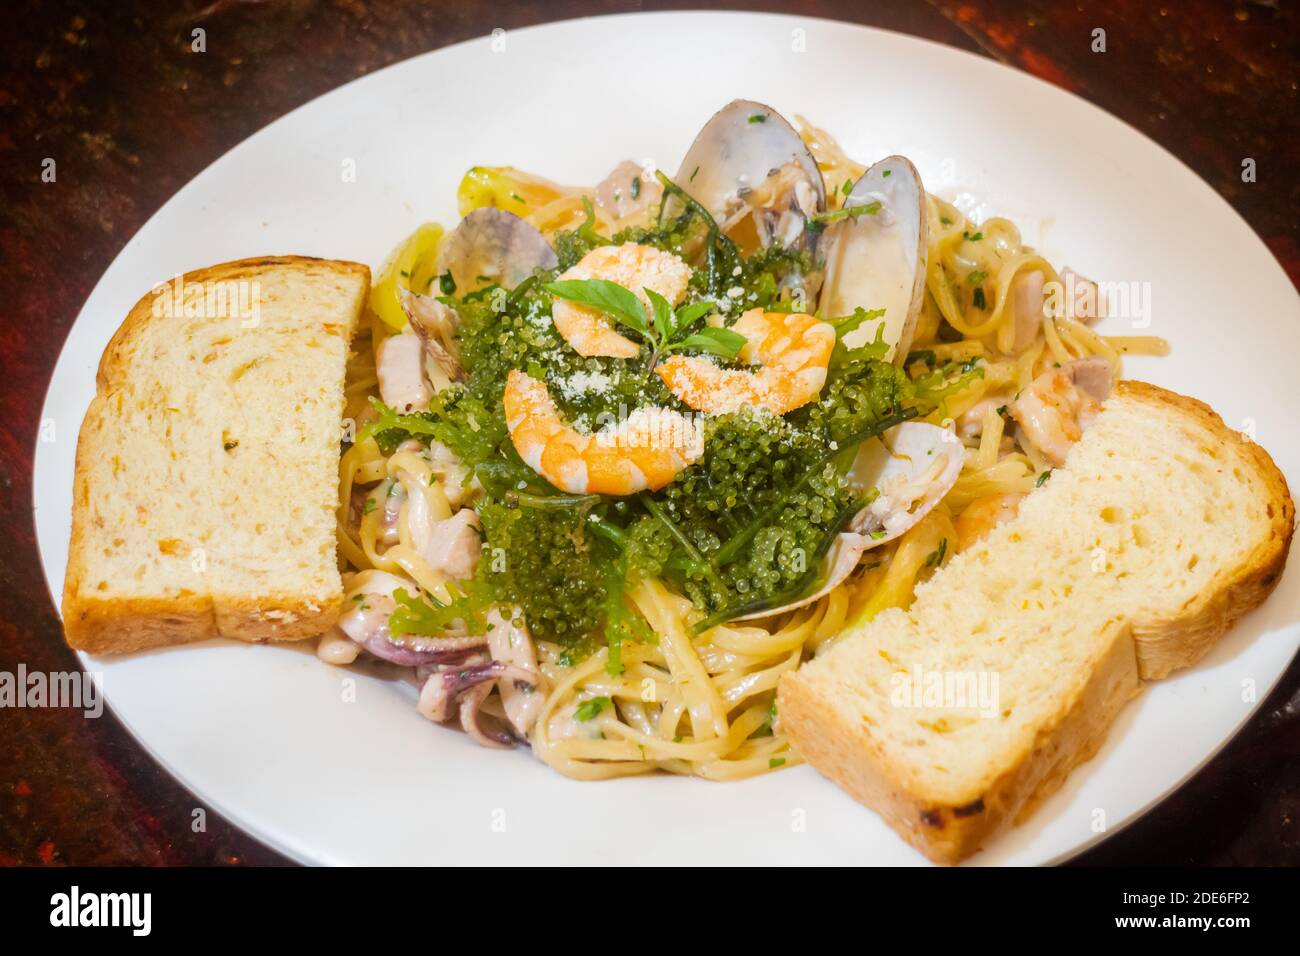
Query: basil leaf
x,y
663,313
688,315
723,343
608,297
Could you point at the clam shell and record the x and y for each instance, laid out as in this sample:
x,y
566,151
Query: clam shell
x,y
733,152
878,261
912,467
493,246
896,466
844,554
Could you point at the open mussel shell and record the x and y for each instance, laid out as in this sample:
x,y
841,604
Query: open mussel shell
x,y
878,261
736,153
492,246
910,469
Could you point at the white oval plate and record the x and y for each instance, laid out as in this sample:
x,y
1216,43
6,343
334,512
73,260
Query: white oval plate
x,y
264,734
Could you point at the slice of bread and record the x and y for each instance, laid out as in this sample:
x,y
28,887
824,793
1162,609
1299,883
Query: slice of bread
x,y
207,466
954,718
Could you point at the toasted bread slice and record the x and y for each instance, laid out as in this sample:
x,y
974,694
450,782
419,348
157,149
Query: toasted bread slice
x,y
207,466
1163,527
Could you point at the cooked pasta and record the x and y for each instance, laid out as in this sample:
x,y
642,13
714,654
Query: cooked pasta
x,y
476,522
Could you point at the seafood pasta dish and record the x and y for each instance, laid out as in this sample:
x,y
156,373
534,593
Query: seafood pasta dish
x,y
619,456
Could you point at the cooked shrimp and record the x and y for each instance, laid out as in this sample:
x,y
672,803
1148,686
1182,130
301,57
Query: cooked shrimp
x,y
792,349
647,450
983,515
632,266
1058,405
970,424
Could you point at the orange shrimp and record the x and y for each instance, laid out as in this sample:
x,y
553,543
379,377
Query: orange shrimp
x,y
632,266
1060,403
647,450
793,350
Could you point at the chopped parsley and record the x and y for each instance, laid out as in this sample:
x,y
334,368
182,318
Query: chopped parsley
x,y
588,709
819,221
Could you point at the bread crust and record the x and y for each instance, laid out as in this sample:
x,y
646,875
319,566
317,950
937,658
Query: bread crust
x,y
1165,645
121,625
948,832
112,364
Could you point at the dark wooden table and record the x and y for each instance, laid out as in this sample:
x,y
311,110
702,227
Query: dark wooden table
x,y
114,94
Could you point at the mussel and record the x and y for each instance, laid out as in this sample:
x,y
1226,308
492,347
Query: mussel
x,y
876,259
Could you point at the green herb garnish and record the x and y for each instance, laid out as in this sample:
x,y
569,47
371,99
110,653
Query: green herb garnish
x,y
667,331
819,221
588,709
431,618
935,558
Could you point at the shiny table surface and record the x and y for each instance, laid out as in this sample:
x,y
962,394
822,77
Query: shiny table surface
x,y
113,92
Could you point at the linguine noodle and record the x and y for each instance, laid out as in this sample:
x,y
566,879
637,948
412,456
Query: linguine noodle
x,y
704,704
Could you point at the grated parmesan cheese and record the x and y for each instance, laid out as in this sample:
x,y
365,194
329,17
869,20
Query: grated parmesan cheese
x,y
585,383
